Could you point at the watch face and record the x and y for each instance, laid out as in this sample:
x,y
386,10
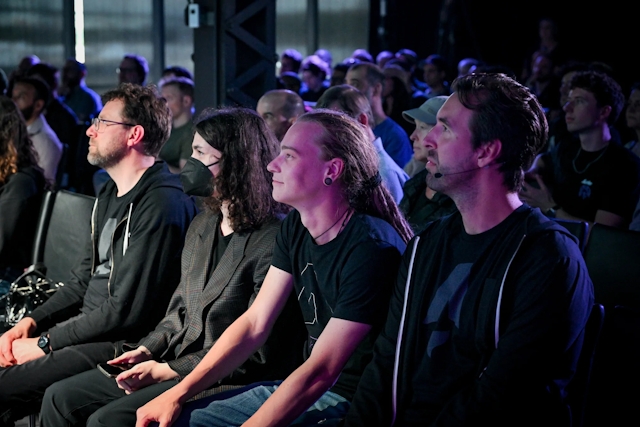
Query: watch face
x,y
43,342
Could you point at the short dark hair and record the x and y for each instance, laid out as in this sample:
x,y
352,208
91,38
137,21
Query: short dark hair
x,y
350,100
177,71
142,66
504,110
46,72
247,146
143,106
604,88
43,91
184,84
295,56
316,66
436,60
374,72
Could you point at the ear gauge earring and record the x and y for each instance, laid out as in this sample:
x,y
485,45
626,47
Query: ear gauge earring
x,y
328,181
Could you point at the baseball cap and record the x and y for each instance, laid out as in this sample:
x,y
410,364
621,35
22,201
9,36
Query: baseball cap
x,y
426,112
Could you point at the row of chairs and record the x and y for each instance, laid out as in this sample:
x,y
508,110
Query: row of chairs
x,y
604,387
610,350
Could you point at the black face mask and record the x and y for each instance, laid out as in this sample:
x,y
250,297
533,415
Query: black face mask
x,y
196,178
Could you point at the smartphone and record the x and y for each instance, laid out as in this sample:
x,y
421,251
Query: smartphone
x,y
112,371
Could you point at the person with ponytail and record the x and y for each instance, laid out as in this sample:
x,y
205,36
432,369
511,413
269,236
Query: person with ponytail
x,y
21,186
338,252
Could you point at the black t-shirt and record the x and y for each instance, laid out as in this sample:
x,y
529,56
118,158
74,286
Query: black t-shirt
x,y
98,292
444,349
585,182
349,278
218,250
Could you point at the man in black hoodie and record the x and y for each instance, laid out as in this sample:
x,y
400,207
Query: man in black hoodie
x,y
487,319
121,288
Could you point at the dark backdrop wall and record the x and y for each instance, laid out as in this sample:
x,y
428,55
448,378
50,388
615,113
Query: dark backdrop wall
x,y
505,31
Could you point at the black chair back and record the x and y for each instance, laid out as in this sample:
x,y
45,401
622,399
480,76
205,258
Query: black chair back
x,y
612,256
578,389
63,238
580,229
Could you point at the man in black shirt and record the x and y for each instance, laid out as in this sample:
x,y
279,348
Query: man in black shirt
x,y
597,179
487,318
121,288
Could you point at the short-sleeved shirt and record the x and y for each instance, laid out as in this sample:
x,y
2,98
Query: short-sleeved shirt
x,y
585,182
349,278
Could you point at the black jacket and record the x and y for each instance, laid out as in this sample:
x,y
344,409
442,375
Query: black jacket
x,y
512,368
146,249
20,200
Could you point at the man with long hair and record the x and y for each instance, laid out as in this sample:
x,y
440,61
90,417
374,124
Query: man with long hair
x,y
337,252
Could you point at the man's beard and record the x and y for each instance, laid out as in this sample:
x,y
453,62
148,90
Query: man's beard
x,y
110,159
27,112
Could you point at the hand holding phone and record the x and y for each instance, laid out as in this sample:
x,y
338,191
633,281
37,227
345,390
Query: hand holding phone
x,y
112,371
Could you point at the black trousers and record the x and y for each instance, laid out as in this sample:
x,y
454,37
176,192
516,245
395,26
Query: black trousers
x,y
23,386
93,399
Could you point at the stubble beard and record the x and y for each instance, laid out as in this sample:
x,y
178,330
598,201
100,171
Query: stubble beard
x,y
111,158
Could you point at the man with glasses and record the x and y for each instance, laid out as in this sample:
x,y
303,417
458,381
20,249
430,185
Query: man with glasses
x,y
121,288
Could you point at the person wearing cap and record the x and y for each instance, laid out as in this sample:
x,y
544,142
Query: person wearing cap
x,y
420,203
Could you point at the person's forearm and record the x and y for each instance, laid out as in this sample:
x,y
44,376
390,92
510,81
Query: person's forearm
x,y
233,347
294,396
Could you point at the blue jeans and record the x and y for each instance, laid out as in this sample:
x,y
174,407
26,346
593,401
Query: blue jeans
x,y
235,407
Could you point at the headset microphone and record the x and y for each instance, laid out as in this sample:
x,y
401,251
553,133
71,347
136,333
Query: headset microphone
x,y
440,175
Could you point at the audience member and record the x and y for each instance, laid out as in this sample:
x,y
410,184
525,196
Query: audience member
x,y
596,180
133,69
290,61
420,203
351,101
122,286
545,84
396,95
21,186
178,92
487,319
290,81
337,252
369,79
31,95
549,44
467,66
280,108
434,69
74,92
21,70
632,116
339,72
177,71
227,253
58,115
383,57
558,125
409,61
362,55
314,77
325,55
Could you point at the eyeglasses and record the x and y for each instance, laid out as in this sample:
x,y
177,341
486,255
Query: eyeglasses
x,y
96,122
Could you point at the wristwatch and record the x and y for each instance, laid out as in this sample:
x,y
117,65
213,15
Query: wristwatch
x,y
43,343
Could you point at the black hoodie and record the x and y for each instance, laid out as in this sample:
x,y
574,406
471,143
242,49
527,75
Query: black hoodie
x,y
513,349
146,246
